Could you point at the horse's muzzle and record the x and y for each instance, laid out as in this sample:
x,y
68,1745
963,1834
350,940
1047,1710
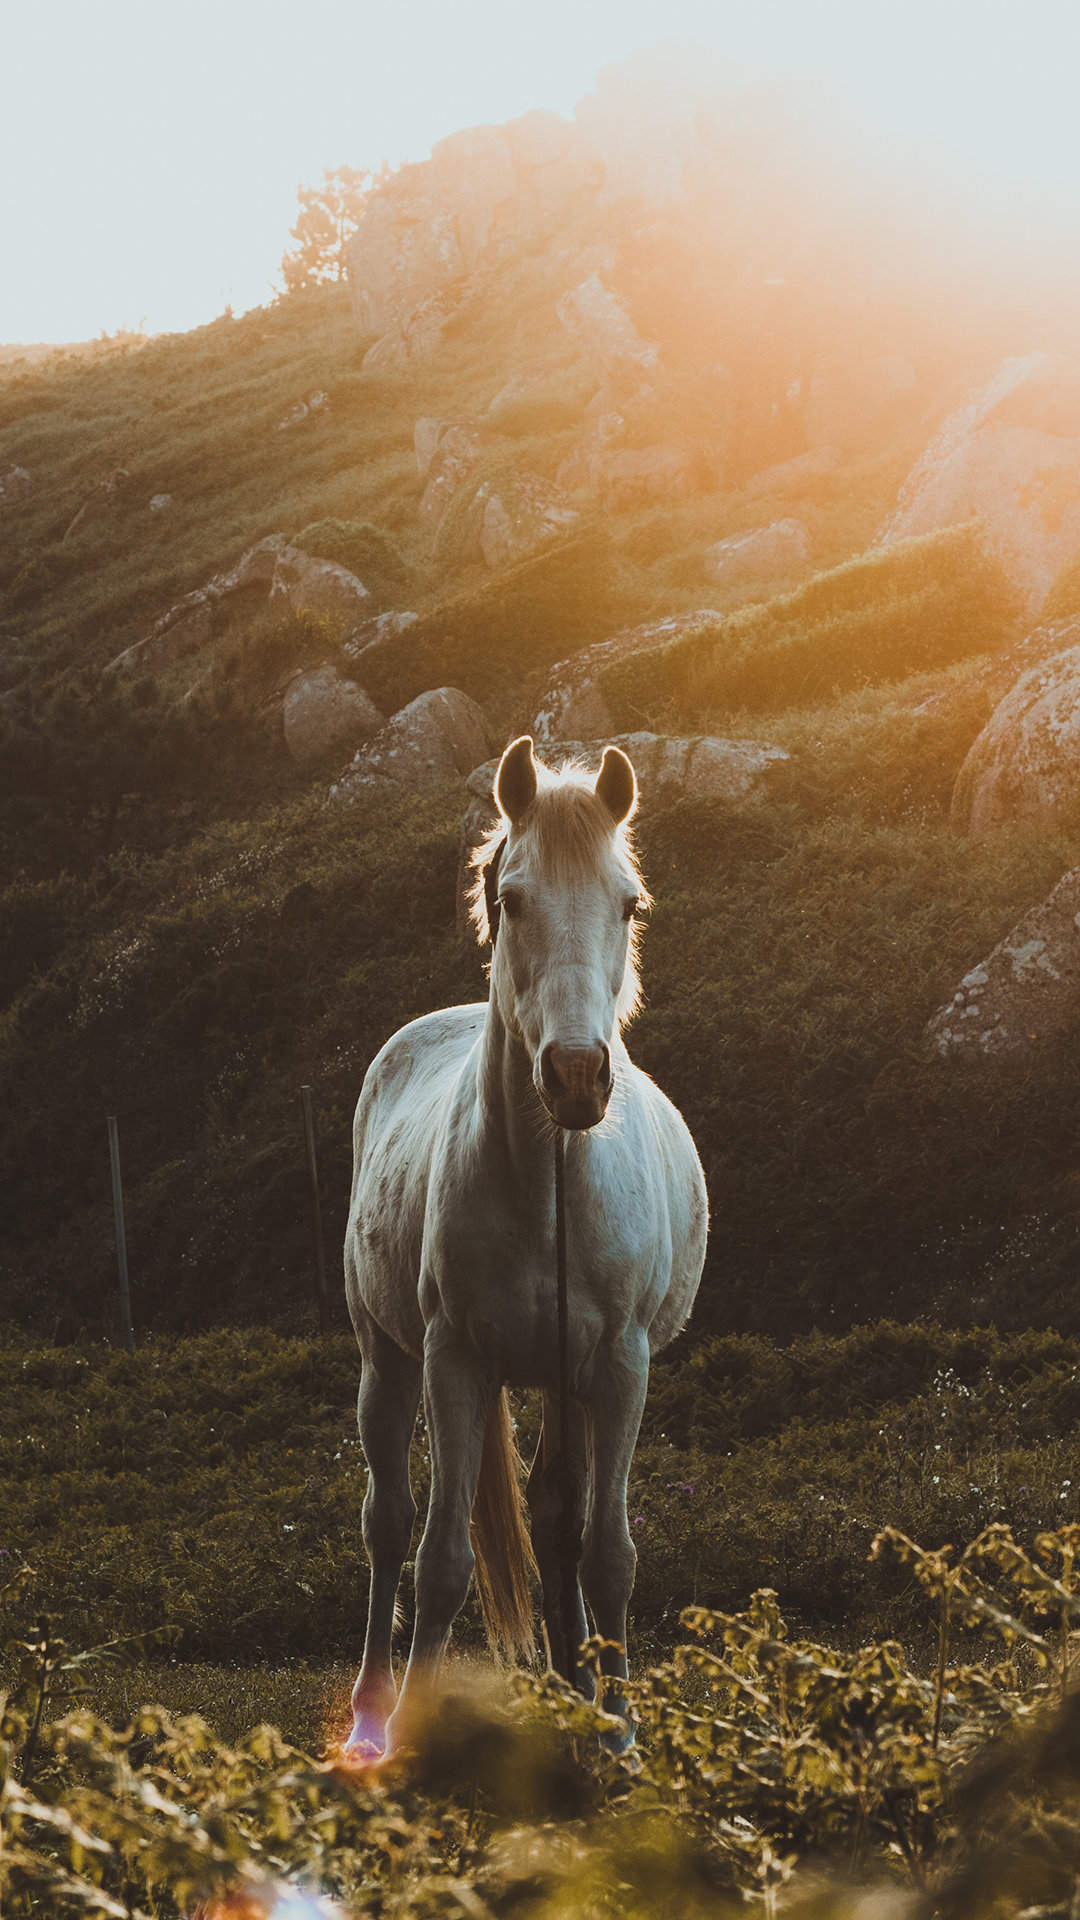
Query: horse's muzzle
x,y
575,1084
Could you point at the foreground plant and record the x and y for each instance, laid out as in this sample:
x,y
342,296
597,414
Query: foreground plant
x,y
763,1764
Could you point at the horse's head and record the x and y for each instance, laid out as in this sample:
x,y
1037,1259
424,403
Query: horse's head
x,y
563,972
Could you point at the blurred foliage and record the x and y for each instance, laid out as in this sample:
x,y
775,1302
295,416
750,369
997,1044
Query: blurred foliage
x,y
907,608
771,1772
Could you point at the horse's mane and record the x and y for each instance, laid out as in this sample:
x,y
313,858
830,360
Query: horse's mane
x,y
570,831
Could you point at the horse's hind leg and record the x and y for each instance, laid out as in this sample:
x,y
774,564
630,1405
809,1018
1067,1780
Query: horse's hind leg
x,y
386,1413
545,1512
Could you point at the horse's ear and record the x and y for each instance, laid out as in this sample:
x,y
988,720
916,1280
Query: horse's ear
x,y
515,782
616,785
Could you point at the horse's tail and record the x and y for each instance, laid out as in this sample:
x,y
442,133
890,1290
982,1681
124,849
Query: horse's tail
x,y
504,1555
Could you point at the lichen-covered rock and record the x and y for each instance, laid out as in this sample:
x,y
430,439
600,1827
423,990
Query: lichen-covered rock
x,y
602,330
518,511
420,330
779,551
437,737
1025,990
324,714
1025,764
850,407
101,502
571,707
160,502
667,770
304,585
794,476
192,622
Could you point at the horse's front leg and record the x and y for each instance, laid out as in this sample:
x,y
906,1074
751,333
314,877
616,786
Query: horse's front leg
x,y
386,1413
608,1561
458,1398
545,1498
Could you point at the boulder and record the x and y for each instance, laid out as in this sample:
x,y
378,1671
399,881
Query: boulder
x,y
323,714
646,476
404,249
14,482
160,502
1024,991
602,330
381,627
571,707
427,432
541,401
101,502
304,585
519,510
540,137
850,407
1025,764
476,172
437,737
794,476
667,770
301,410
991,681
780,551
192,622
458,452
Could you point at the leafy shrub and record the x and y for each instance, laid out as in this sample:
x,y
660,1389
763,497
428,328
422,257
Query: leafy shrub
x,y
899,610
485,640
355,544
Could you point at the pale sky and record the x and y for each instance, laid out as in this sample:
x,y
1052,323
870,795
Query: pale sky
x,y
150,152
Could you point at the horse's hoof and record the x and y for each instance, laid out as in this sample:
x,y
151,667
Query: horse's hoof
x,y
366,1744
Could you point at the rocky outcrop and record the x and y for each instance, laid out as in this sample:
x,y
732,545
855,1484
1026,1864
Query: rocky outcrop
x,y
586,464
604,334
324,714
519,511
421,329
301,584
14,483
667,770
437,737
428,225
1024,991
101,502
851,407
991,681
458,451
777,552
1010,456
794,476
193,621
571,707
1025,764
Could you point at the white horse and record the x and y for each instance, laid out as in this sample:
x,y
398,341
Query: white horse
x,y
450,1254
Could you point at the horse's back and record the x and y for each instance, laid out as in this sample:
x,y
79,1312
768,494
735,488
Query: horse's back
x,y
405,1095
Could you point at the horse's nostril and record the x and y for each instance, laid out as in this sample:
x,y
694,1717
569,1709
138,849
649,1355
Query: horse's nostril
x,y
575,1071
604,1075
548,1074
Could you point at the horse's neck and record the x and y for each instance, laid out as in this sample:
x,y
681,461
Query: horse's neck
x,y
510,1115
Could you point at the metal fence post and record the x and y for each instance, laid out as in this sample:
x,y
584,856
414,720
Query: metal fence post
x,y
316,1212
121,1237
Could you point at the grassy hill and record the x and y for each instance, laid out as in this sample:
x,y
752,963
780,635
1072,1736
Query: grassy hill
x,y
186,952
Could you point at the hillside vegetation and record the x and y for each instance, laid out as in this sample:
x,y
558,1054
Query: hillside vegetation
x,y
187,935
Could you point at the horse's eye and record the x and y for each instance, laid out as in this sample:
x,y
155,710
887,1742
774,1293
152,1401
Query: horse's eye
x,y
630,907
511,903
